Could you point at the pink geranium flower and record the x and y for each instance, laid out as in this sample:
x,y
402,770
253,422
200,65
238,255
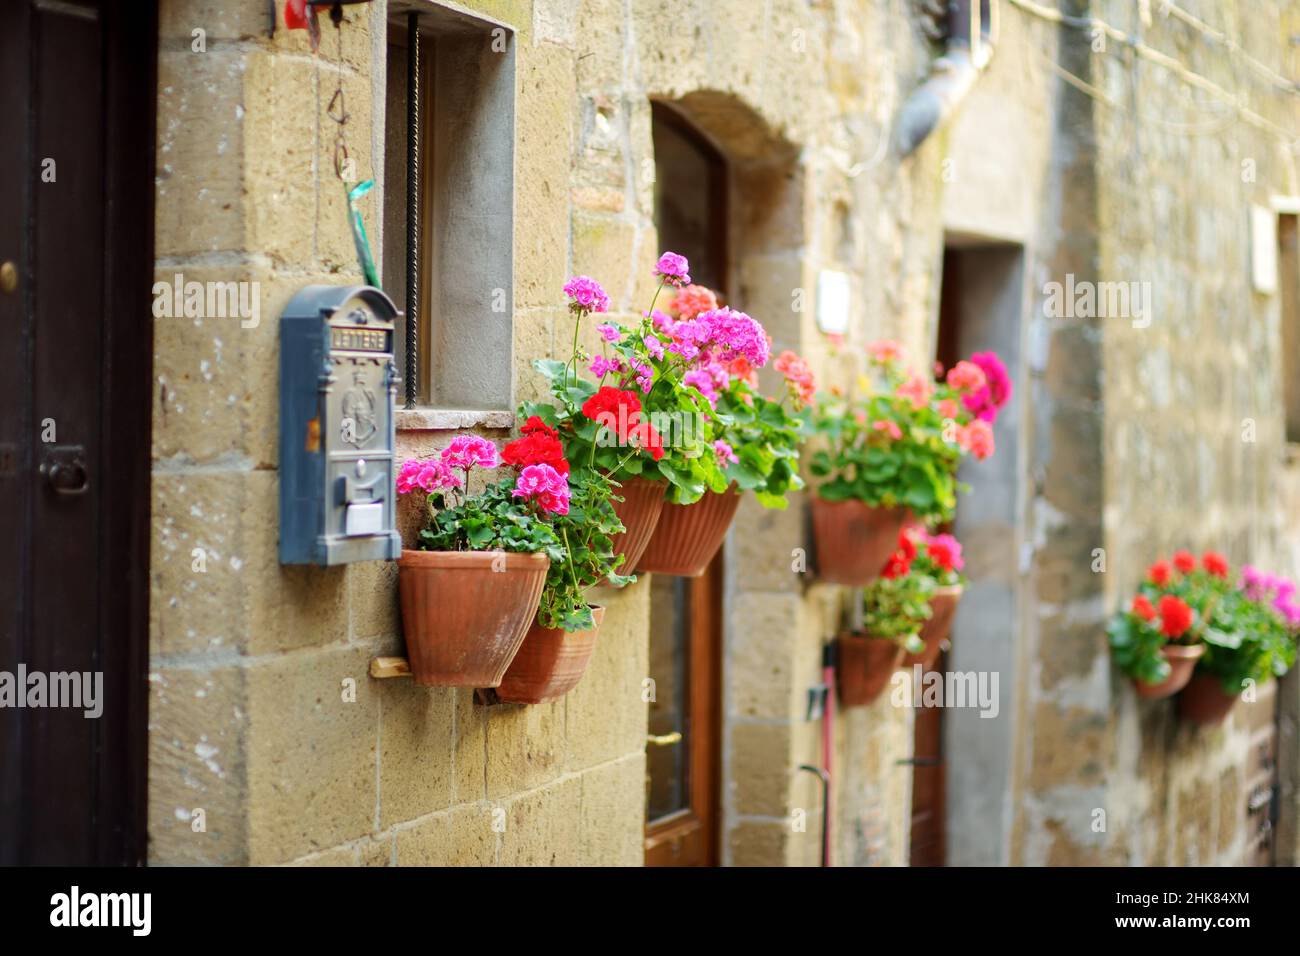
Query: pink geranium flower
x,y
545,486
692,300
468,451
977,438
586,295
918,389
987,401
966,377
609,333
426,474
724,453
885,351
673,269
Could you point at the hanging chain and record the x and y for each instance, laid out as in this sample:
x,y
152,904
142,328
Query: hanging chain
x,y
338,112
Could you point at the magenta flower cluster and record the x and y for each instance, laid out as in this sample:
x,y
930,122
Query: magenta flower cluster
x,y
544,486
986,401
717,345
427,474
673,269
586,295
439,474
469,451
1263,587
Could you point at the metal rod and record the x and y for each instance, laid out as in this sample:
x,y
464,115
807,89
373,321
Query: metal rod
x,y
825,778
412,207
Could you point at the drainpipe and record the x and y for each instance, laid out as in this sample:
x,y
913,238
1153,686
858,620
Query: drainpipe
x,y
972,28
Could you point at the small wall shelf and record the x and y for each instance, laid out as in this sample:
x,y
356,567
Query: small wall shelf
x,y
382,668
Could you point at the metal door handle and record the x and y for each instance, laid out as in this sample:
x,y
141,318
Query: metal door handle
x,y
65,471
664,740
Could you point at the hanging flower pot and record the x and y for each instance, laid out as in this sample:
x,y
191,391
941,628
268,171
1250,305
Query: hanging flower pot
x,y
549,664
853,539
643,502
943,605
1182,660
864,665
688,536
1204,701
465,613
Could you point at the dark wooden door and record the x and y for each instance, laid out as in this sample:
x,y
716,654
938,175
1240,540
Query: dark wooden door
x,y
76,169
682,746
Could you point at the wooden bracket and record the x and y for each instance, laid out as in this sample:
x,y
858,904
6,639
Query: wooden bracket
x,y
381,667
385,667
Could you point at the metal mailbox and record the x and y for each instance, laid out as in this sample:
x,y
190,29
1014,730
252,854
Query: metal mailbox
x,y
338,385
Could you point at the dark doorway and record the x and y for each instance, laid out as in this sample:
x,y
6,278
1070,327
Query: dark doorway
x,y
961,782
77,81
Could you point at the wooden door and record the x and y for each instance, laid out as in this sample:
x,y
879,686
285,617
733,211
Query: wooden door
x,y
76,167
682,743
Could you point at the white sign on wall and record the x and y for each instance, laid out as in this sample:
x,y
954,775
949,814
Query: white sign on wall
x,y
1263,249
834,301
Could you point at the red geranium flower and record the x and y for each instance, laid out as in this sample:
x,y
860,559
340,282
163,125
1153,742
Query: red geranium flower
x,y
644,435
897,566
906,546
1158,573
1175,616
614,408
535,425
1215,563
1143,609
941,553
1184,561
536,447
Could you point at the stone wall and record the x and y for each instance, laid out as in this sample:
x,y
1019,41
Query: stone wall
x,y
1148,437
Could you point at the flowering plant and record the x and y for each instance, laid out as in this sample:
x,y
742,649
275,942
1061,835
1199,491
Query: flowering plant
x,y
494,519
586,525
547,508
1266,618
1248,628
897,603
898,442
678,391
938,557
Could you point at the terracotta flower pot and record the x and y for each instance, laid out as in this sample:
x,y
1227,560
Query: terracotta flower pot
x,y
864,666
643,501
854,540
465,613
943,605
1203,701
689,536
549,664
1182,660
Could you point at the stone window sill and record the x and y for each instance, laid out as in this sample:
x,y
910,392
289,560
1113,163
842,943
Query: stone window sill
x,y
451,419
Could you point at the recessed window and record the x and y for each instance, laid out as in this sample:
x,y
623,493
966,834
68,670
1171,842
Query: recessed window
x,y
460,151
1289,285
